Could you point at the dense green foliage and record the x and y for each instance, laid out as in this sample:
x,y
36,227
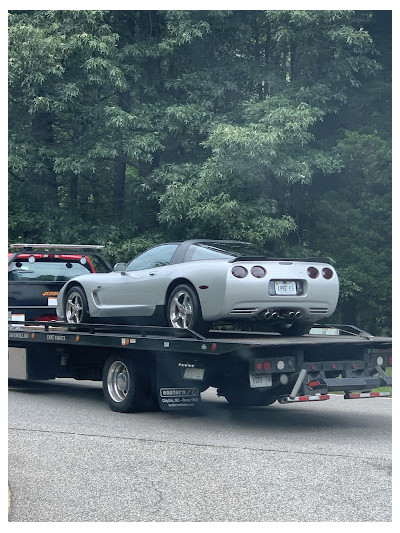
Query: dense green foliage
x,y
128,128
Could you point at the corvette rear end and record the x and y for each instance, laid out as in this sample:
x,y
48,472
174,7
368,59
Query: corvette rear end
x,y
285,292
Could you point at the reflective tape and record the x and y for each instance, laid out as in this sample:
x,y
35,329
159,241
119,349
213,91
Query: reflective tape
x,y
354,396
316,398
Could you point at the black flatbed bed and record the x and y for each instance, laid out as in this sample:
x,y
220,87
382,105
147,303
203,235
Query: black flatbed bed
x,y
160,338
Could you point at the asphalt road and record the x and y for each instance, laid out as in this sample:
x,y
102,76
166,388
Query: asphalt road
x,y
71,459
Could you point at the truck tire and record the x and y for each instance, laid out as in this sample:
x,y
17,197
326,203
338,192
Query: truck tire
x,y
248,397
296,329
126,386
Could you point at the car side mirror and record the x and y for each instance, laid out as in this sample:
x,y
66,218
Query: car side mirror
x,y
119,267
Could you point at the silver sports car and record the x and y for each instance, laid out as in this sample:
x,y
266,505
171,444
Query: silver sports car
x,y
195,283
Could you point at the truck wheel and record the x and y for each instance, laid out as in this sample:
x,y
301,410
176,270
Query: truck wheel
x,y
126,387
76,309
184,311
248,397
296,329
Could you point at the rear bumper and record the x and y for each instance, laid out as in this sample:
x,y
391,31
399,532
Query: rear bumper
x,y
357,383
31,313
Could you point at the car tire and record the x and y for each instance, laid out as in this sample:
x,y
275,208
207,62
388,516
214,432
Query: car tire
x,y
296,329
127,385
76,309
184,310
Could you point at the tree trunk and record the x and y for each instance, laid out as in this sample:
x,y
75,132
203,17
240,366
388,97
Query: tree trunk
x,y
42,132
119,185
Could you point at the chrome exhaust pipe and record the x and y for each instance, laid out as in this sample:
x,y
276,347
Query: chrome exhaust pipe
x,y
267,315
274,315
298,314
291,314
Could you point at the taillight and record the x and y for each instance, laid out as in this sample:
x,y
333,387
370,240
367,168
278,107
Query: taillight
x,y
313,272
239,272
258,271
327,273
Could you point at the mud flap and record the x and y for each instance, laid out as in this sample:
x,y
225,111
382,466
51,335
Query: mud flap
x,y
173,392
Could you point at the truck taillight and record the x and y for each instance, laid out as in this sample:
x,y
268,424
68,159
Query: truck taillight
x,y
263,366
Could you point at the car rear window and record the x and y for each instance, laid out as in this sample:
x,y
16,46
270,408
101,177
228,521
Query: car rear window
x,y
222,250
45,270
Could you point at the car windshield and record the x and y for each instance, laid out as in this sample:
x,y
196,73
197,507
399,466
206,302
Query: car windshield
x,y
45,270
223,250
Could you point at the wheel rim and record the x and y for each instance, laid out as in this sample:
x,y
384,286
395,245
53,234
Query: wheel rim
x,y
74,308
181,310
118,381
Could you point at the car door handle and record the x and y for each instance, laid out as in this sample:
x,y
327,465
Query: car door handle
x,y
153,274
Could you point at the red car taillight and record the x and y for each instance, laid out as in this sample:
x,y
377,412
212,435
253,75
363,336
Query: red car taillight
x,y
239,272
258,271
327,273
313,272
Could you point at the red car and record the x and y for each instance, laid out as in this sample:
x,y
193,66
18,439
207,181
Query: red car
x,y
36,273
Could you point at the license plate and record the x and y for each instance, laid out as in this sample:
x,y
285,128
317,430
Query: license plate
x,y
260,380
194,373
285,287
17,318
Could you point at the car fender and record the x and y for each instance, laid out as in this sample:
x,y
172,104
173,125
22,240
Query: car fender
x,y
88,282
209,280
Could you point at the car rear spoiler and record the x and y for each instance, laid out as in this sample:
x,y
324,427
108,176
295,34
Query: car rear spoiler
x,y
240,258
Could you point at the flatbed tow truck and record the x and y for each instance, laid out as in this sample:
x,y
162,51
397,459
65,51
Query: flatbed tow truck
x,y
148,368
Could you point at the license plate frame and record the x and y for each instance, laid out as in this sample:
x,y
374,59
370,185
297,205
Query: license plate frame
x,y
285,288
260,380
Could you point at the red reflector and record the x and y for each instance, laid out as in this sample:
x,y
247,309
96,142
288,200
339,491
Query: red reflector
x,y
213,346
314,384
267,365
313,367
259,366
333,365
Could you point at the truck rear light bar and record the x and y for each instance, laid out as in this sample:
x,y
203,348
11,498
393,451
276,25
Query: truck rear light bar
x,y
316,398
355,396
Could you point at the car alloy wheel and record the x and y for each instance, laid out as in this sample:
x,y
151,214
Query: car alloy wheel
x,y
74,308
181,309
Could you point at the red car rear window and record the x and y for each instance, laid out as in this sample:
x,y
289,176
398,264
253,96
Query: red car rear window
x,y
53,270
